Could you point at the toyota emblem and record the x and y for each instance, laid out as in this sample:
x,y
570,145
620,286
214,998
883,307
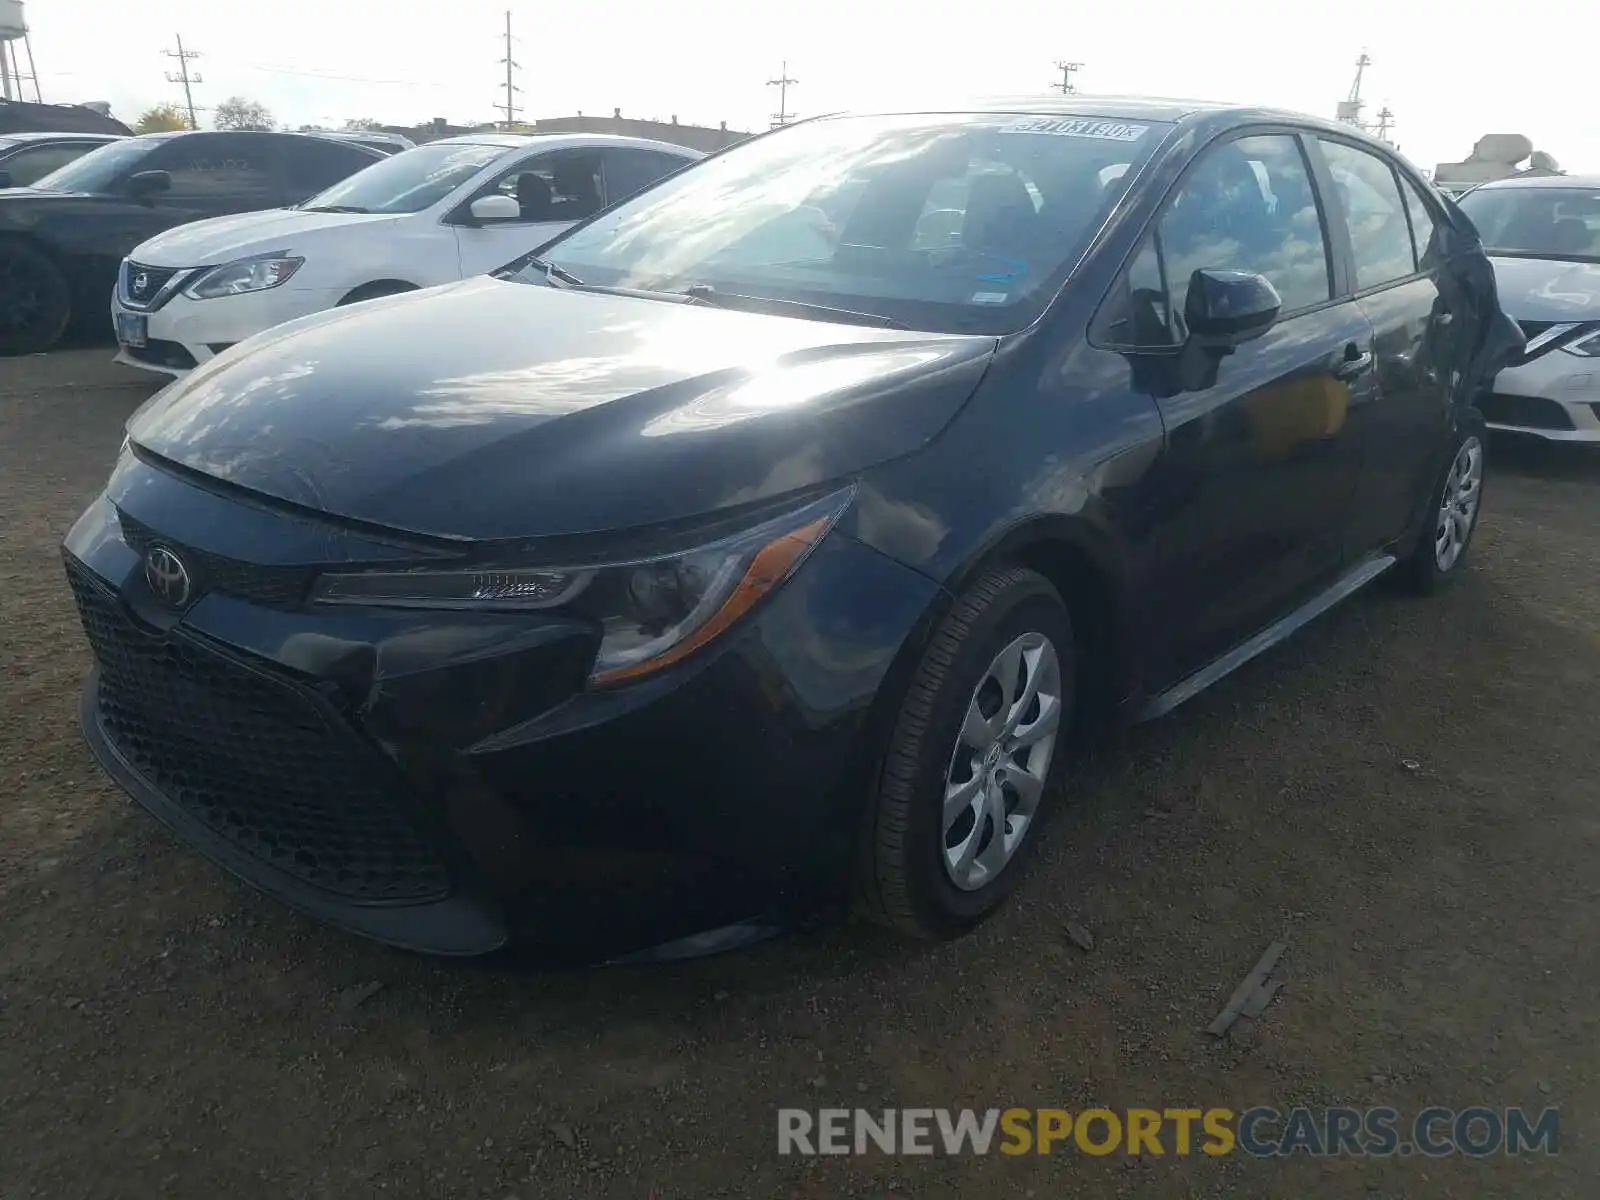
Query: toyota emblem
x,y
167,576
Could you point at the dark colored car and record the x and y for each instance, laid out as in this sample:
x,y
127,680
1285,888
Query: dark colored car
x,y
760,544
63,239
26,158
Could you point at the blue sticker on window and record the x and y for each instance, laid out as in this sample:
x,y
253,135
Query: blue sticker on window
x,y
1010,269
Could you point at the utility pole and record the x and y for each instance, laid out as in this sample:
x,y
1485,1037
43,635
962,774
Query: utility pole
x,y
183,56
1385,124
512,89
783,83
1068,69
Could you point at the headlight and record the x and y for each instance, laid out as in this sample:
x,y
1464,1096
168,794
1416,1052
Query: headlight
x,y
1587,346
247,275
653,611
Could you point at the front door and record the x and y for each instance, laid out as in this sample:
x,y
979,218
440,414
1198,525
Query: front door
x,y
1251,497
553,192
1390,226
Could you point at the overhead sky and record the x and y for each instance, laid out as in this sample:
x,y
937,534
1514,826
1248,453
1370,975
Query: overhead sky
x,y
1449,71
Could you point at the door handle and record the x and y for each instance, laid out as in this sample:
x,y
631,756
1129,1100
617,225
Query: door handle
x,y
1353,366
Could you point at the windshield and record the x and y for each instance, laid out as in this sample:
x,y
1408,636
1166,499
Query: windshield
x,y
951,223
99,169
1540,222
409,181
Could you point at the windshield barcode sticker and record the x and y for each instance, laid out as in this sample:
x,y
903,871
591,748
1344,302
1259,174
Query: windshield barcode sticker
x,y
1080,127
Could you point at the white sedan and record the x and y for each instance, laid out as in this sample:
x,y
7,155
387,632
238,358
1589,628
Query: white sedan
x,y
435,214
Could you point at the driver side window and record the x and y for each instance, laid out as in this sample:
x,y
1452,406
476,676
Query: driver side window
x,y
1247,205
564,186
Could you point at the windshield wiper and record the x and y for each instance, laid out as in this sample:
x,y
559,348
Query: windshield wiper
x,y
334,208
704,293
552,272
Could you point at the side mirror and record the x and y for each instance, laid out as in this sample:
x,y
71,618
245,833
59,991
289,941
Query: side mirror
x,y
5,178
1224,309
498,207
148,183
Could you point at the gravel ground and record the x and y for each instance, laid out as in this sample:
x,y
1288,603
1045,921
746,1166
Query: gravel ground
x,y
165,1032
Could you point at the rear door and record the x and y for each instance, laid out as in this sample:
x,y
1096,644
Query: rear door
x,y
1383,224
1254,490
308,165
628,170
553,191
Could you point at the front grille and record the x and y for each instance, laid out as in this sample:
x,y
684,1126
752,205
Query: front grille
x,y
1530,412
141,285
273,587
158,353
255,757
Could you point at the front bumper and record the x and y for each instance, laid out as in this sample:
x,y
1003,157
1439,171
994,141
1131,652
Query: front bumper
x,y
184,333
1555,396
441,782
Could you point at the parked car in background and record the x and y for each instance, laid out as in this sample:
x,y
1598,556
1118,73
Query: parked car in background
x,y
383,143
25,158
434,214
665,586
1543,236
63,239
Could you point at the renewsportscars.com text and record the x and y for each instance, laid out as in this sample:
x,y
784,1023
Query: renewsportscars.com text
x,y
1261,1132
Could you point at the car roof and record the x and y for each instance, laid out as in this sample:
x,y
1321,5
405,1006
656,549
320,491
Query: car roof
x,y
559,141
1138,108
1581,182
35,136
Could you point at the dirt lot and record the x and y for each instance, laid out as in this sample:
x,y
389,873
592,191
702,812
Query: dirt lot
x,y
165,1032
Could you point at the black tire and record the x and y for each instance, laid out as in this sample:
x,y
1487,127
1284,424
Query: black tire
x,y
1421,573
35,302
372,291
905,881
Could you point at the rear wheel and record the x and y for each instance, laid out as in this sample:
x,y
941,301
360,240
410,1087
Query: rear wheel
x,y
971,759
35,303
371,291
1441,551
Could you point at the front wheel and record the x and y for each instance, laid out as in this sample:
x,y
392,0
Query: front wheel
x,y
1441,551
35,302
967,775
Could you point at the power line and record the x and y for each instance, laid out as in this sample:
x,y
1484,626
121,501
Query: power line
x,y
1068,69
270,70
511,65
783,83
183,56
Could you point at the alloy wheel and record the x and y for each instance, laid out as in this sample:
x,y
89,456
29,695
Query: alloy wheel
x,y
1001,760
1458,505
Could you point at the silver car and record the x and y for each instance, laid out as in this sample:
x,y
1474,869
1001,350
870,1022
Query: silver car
x,y
1543,236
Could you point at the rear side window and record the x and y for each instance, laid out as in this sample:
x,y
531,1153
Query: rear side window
x,y
1247,205
1375,212
310,165
629,172
1422,224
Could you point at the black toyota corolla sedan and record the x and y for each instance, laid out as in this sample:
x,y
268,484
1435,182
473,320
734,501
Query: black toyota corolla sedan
x,y
758,544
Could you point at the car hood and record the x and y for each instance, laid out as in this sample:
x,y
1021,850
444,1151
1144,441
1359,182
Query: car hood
x,y
1542,289
490,409
224,239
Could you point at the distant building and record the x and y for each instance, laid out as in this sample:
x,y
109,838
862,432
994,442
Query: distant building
x,y
695,137
17,117
1495,156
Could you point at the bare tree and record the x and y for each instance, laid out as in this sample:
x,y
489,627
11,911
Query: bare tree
x,y
360,125
238,113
